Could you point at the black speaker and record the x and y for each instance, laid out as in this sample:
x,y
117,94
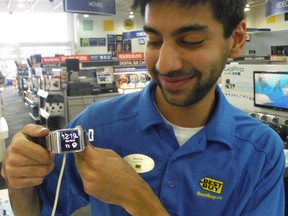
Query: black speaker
x,y
72,65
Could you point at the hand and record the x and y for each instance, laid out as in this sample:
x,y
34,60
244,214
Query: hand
x,y
25,163
109,178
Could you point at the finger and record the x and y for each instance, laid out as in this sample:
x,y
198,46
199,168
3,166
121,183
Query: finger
x,y
34,130
19,183
94,152
20,145
22,160
28,171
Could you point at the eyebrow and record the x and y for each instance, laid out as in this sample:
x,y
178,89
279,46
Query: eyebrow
x,y
184,29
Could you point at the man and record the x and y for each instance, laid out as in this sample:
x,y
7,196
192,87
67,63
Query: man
x,y
176,148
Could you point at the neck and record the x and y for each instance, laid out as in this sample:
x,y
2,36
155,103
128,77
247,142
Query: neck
x,y
195,115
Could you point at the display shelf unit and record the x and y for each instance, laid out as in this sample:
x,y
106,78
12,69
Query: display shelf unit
x,y
49,118
34,109
77,104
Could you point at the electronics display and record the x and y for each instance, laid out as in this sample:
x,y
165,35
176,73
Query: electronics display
x,y
271,89
72,64
67,140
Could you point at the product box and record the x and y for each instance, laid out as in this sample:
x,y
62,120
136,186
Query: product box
x,y
54,83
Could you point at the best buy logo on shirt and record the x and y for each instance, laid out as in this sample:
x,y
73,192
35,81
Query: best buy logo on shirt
x,y
212,185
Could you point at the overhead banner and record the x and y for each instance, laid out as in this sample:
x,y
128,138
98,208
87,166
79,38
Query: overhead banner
x,y
275,7
107,7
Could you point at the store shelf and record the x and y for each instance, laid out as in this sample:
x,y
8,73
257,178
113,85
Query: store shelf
x,y
35,118
28,101
46,115
44,94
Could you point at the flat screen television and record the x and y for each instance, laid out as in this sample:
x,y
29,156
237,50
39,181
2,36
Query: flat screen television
x,y
271,89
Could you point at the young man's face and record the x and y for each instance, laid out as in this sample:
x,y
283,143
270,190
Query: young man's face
x,y
186,50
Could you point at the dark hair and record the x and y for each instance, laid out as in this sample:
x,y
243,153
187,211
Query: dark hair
x,y
227,12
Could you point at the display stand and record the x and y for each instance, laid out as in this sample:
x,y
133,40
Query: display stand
x,y
52,108
77,104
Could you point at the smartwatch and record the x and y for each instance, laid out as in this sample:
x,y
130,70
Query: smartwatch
x,y
67,140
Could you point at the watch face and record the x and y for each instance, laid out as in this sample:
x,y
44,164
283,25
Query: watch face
x,y
70,140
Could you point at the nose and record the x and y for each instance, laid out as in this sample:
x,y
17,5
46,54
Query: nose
x,y
169,59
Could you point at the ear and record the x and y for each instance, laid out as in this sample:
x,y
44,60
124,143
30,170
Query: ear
x,y
237,40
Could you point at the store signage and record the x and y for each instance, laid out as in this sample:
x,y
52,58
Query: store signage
x,y
130,56
275,7
134,34
107,7
134,62
253,58
60,59
130,69
87,42
104,57
128,24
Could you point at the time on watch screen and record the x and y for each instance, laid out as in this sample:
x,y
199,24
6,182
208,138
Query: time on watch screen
x,y
70,140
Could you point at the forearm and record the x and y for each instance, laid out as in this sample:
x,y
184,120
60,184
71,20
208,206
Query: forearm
x,y
25,201
144,202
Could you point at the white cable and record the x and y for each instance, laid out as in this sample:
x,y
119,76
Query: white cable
x,y
58,185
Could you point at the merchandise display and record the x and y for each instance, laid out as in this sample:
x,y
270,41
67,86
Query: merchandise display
x,y
271,89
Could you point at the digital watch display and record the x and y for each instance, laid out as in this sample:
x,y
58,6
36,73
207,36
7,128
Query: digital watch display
x,y
67,140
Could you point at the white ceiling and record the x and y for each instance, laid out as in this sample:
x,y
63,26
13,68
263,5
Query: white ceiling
x,y
10,6
50,6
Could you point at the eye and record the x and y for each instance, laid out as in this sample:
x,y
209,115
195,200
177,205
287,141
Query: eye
x,y
154,41
186,43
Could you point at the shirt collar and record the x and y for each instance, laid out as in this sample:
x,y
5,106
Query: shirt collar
x,y
148,113
220,127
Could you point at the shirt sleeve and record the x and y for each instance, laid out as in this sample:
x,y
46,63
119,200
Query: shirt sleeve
x,y
269,197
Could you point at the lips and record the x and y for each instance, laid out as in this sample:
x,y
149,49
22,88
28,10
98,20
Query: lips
x,y
175,83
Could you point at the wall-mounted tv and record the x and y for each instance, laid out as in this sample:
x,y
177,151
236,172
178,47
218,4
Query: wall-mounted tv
x,y
271,89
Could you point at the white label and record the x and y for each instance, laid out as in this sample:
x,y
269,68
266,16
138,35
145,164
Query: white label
x,y
140,163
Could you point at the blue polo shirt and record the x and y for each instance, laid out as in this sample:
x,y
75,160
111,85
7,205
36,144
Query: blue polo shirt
x,y
233,166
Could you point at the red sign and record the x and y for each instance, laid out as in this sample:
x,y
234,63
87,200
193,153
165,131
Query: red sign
x,y
51,60
82,58
61,59
130,56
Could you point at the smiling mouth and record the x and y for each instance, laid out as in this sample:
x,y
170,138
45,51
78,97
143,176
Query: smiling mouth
x,y
174,83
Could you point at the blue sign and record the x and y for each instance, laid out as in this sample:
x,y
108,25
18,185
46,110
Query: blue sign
x,y
134,34
130,69
275,7
104,57
107,7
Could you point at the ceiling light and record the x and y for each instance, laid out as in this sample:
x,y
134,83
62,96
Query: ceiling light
x,y
247,9
86,15
131,16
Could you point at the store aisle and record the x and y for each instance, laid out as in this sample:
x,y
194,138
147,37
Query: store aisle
x,y
15,111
